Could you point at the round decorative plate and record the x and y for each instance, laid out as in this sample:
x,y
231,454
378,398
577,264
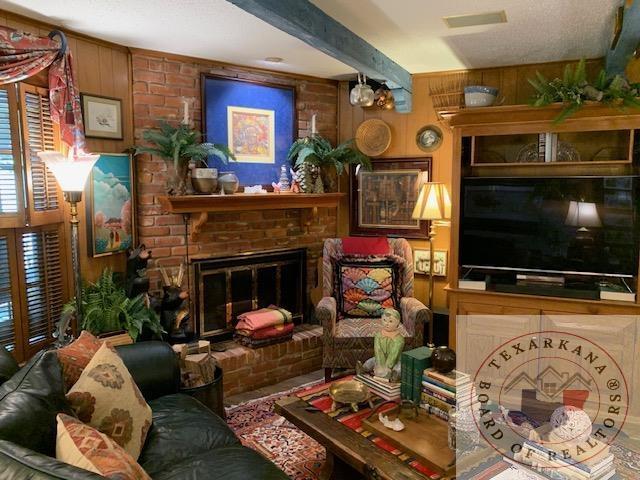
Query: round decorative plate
x,y
373,137
429,138
528,154
567,153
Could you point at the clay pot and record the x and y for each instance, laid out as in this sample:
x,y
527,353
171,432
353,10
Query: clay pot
x,y
443,359
204,180
228,182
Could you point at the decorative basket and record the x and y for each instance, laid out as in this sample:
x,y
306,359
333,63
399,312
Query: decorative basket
x,y
373,137
447,91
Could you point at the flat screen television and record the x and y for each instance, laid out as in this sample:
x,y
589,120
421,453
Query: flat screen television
x,y
570,225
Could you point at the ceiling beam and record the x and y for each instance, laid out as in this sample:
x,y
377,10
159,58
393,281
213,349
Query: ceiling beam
x,y
628,41
305,21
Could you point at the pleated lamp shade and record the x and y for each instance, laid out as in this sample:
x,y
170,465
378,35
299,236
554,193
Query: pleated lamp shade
x,y
434,202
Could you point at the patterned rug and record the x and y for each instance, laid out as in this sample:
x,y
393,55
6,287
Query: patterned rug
x,y
259,428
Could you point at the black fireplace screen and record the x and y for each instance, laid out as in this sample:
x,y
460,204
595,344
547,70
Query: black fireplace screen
x,y
229,286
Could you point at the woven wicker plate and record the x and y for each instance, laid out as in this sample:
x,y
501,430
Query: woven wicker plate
x,y
373,137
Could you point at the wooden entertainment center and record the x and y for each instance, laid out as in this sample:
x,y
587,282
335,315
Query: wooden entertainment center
x,y
486,143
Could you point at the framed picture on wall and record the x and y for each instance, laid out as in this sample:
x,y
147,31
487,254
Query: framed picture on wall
x,y
101,116
383,199
256,120
110,205
421,262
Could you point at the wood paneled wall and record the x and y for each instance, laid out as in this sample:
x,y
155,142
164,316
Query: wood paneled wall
x,y
102,68
513,85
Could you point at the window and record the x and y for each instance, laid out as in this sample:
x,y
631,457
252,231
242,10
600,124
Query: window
x,y
33,266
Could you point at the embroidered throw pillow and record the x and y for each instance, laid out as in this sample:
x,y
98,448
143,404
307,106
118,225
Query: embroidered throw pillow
x,y
106,398
84,447
76,356
365,289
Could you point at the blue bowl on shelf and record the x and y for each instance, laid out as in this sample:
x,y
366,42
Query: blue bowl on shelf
x,y
479,96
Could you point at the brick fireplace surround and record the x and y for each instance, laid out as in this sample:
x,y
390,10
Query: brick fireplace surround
x,y
159,86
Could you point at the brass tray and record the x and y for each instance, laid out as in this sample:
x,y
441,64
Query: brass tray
x,y
350,392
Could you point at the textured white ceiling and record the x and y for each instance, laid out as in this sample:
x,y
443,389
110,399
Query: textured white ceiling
x,y
411,32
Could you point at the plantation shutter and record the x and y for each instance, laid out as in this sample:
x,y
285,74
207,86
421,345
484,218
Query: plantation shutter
x,y
11,198
39,133
44,285
9,295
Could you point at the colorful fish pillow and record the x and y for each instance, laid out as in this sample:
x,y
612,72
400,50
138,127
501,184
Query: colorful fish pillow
x,y
365,289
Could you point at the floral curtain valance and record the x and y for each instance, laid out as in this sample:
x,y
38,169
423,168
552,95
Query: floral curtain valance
x,y
23,55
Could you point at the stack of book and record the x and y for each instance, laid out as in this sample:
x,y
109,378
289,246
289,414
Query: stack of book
x,y
413,363
381,387
548,454
440,391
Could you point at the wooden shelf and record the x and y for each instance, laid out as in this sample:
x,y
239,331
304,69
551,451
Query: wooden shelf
x,y
199,206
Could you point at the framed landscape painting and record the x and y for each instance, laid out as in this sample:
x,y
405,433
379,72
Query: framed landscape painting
x,y
256,120
110,208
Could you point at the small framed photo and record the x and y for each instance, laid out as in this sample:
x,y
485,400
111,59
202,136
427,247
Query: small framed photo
x,y
421,262
102,116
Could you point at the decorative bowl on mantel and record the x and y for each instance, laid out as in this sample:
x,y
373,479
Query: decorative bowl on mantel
x,y
229,182
204,180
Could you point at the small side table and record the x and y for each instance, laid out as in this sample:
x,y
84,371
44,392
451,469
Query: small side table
x,y
210,394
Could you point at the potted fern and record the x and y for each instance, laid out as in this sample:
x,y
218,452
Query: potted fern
x,y
319,165
180,146
574,90
107,309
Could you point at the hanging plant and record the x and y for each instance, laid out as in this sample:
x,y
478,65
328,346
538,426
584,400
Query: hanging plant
x,y
315,153
574,90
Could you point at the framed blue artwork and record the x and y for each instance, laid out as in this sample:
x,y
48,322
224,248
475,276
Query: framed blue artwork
x,y
110,205
256,120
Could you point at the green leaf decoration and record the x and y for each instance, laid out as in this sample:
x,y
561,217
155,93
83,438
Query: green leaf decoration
x,y
574,89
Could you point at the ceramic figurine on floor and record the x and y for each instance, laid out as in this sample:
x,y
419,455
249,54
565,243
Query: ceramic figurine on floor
x,y
137,281
174,311
387,347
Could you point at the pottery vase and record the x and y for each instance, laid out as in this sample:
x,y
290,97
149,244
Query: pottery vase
x,y
228,182
443,359
204,180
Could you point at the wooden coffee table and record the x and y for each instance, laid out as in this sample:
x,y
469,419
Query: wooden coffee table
x,y
349,454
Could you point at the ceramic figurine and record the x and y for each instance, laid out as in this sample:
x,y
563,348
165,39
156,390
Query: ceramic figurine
x,y
388,346
284,184
174,312
137,281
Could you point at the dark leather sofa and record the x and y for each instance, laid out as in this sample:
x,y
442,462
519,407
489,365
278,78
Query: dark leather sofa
x,y
186,440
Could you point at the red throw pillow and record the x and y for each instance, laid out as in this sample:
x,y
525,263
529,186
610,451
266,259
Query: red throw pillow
x,y
365,246
76,356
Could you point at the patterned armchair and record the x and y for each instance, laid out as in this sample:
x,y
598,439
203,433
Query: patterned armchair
x,y
347,340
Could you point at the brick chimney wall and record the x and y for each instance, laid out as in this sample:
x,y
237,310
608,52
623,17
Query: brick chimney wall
x,y
159,86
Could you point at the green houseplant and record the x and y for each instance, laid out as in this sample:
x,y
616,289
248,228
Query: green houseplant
x,y
319,164
106,308
574,90
179,146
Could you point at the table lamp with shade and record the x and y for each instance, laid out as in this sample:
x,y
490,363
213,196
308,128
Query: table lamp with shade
x,y
71,172
433,204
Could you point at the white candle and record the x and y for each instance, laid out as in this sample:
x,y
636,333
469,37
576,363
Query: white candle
x,y
313,124
185,118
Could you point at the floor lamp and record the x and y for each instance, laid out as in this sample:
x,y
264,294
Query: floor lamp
x,y
434,205
71,172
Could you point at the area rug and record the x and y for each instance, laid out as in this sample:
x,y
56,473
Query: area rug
x,y
260,428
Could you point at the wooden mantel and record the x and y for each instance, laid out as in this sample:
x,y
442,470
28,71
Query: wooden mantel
x,y
199,206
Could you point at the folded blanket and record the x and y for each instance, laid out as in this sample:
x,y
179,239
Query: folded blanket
x,y
265,317
251,343
267,332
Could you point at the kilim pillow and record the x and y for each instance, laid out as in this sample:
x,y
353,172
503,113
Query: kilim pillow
x,y
106,398
84,447
76,356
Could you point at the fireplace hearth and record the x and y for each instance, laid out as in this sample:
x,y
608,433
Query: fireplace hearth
x,y
228,286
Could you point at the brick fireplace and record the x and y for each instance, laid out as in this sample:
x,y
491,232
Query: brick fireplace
x,y
160,83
